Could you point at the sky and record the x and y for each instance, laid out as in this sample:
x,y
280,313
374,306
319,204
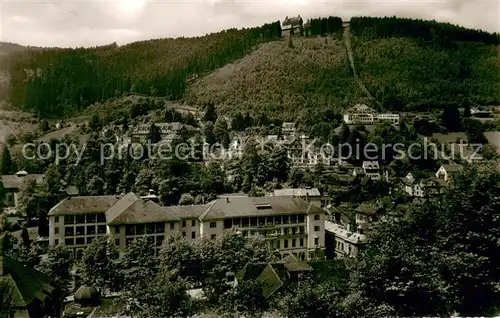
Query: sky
x,y
72,23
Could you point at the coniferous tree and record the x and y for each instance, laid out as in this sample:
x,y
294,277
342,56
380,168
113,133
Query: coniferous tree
x,y
154,134
6,164
221,129
210,114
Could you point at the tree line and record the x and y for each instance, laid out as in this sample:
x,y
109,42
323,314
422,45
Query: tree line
x,y
439,259
323,26
54,82
416,28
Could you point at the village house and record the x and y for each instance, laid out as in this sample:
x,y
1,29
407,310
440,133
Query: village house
x,y
362,114
341,242
33,294
420,187
372,170
288,129
16,184
168,131
275,276
291,225
366,213
445,172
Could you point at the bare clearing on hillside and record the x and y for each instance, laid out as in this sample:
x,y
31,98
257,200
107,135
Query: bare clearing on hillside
x,y
310,74
15,123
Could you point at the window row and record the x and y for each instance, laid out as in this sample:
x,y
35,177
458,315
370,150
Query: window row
x,y
277,232
295,242
82,230
83,218
264,220
193,234
140,229
193,223
153,240
77,241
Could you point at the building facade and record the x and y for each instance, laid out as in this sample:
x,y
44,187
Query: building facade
x,y
342,242
362,114
291,225
14,186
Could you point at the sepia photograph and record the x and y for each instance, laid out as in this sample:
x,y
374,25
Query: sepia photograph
x,y
249,159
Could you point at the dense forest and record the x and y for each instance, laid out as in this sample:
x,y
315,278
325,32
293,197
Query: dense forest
x,y
406,65
374,28
421,65
324,26
61,81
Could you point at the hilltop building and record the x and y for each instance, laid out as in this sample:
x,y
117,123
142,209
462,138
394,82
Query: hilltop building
x,y
421,187
362,114
291,225
291,26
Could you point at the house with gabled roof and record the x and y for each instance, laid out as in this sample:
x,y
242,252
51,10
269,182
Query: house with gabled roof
x,y
15,185
275,276
446,171
33,294
420,187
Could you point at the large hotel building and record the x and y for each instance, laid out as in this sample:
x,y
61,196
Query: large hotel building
x,y
292,225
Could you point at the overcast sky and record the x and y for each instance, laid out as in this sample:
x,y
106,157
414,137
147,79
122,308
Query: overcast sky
x,y
94,22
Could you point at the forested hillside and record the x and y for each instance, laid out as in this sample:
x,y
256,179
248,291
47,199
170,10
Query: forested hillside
x,y
416,65
61,81
405,64
289,82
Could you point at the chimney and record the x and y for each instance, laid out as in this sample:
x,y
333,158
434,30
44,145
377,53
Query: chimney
x,y
227,200
307,196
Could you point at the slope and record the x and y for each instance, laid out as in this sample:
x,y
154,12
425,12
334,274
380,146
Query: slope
x,y
421,65
54,82
282,80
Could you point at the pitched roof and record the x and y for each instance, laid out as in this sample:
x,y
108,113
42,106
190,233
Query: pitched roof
x,y
15,182
298,192
257,206
271,280
272,275
367,208
453,167
28,284
86,204
339,231
131,209
361,108
187,211
493,138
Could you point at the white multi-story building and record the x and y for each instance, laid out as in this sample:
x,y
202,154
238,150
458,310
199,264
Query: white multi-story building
x,y
288,129
292,225
344,243
362,114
